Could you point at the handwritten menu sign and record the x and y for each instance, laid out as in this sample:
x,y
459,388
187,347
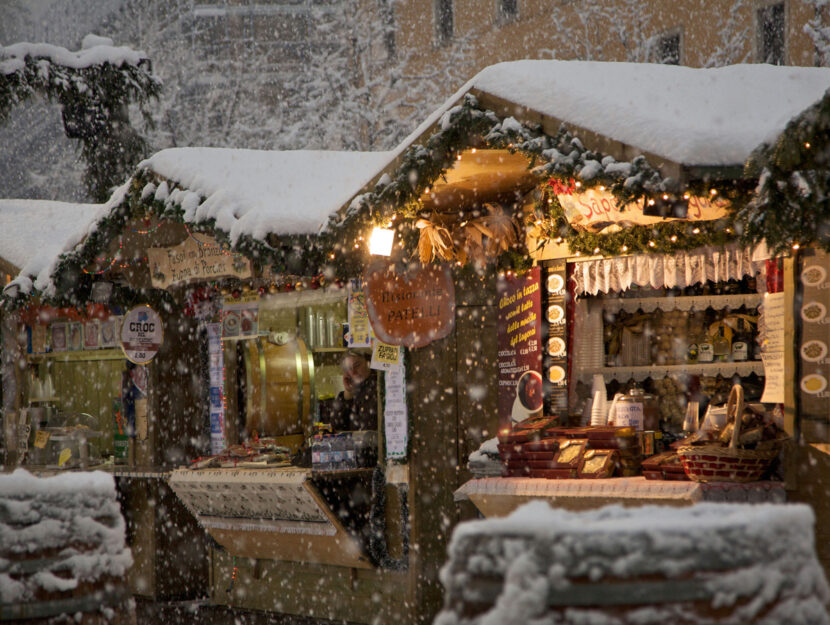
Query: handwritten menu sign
x,y
412,308
815,336
394,413
520,351
556,345
773,312
360,334
195,258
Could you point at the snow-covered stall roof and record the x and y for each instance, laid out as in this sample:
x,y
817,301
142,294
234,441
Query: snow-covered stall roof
x,y
33,232
256,192
246,192
690,116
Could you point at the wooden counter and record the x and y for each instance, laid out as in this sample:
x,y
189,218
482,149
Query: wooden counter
x,y
499,496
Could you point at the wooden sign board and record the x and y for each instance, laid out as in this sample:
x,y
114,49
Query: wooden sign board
x,y
597,211
196,258
412,309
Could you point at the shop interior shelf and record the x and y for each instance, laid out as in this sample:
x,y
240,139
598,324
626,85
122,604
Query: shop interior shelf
x,y
328,349
84,355
682,302
623,374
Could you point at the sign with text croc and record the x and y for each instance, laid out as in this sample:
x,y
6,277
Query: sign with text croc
x,y
142,334
413,308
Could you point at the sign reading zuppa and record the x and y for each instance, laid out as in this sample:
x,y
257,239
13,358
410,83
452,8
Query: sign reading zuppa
x,y
412,308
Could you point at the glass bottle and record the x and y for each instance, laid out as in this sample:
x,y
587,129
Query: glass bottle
x,y
694,338
705,348
740,343
721,346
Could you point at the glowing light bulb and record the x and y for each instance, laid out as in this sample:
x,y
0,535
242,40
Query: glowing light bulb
x,y
380,242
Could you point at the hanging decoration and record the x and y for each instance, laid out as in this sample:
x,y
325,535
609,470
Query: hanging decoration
x,y
561,160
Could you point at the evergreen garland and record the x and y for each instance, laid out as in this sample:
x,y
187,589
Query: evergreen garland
x,y
664,238
562,157
93,102
791,204
286,255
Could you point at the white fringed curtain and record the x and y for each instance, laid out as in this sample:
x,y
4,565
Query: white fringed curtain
x,y
659,271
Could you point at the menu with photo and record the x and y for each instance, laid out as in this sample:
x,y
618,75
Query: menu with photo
x,y
92,334
109,331
815,335
75,340
59,337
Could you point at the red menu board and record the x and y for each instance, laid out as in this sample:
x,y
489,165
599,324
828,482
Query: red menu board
x,y
520,347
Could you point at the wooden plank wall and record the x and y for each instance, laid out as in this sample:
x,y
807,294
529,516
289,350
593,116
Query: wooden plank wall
x,y
330,592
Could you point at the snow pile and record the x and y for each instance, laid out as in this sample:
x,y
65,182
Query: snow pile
x,y
95,51
57,533
486,461
709,563
687,115
258,192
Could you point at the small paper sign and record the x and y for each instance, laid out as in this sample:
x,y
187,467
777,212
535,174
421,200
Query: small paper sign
x,y
385,357
66,454
41,438
629,415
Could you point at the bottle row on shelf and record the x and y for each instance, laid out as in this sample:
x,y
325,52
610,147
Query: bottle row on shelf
x,y
680,337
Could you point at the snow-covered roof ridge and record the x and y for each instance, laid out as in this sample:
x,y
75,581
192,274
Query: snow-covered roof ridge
x,y
12,57
691,116
63,227
262,192
31,230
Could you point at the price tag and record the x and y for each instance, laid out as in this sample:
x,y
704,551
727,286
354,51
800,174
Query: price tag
x,y
41,438
66,454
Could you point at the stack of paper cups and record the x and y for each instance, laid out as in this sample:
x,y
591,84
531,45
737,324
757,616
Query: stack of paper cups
x,y
599,406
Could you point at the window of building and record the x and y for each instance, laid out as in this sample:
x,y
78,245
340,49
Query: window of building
x,y
508,9
444,26
771,34
387,15
667,50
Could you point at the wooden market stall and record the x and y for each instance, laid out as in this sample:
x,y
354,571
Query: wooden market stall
x,y
25,248
530,214
595,211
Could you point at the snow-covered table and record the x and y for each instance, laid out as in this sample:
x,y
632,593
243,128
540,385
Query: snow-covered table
x,y
499,496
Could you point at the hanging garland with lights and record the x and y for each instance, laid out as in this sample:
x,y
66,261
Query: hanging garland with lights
x,y
791,204
77,270
562,157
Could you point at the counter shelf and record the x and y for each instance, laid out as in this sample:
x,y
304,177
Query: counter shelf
x,y
499,496
280,514
640,373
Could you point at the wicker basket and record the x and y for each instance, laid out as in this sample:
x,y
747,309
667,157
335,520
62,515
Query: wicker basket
x,y
715,463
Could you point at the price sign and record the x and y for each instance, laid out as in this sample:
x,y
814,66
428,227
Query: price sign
x,y
41,438
141,334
